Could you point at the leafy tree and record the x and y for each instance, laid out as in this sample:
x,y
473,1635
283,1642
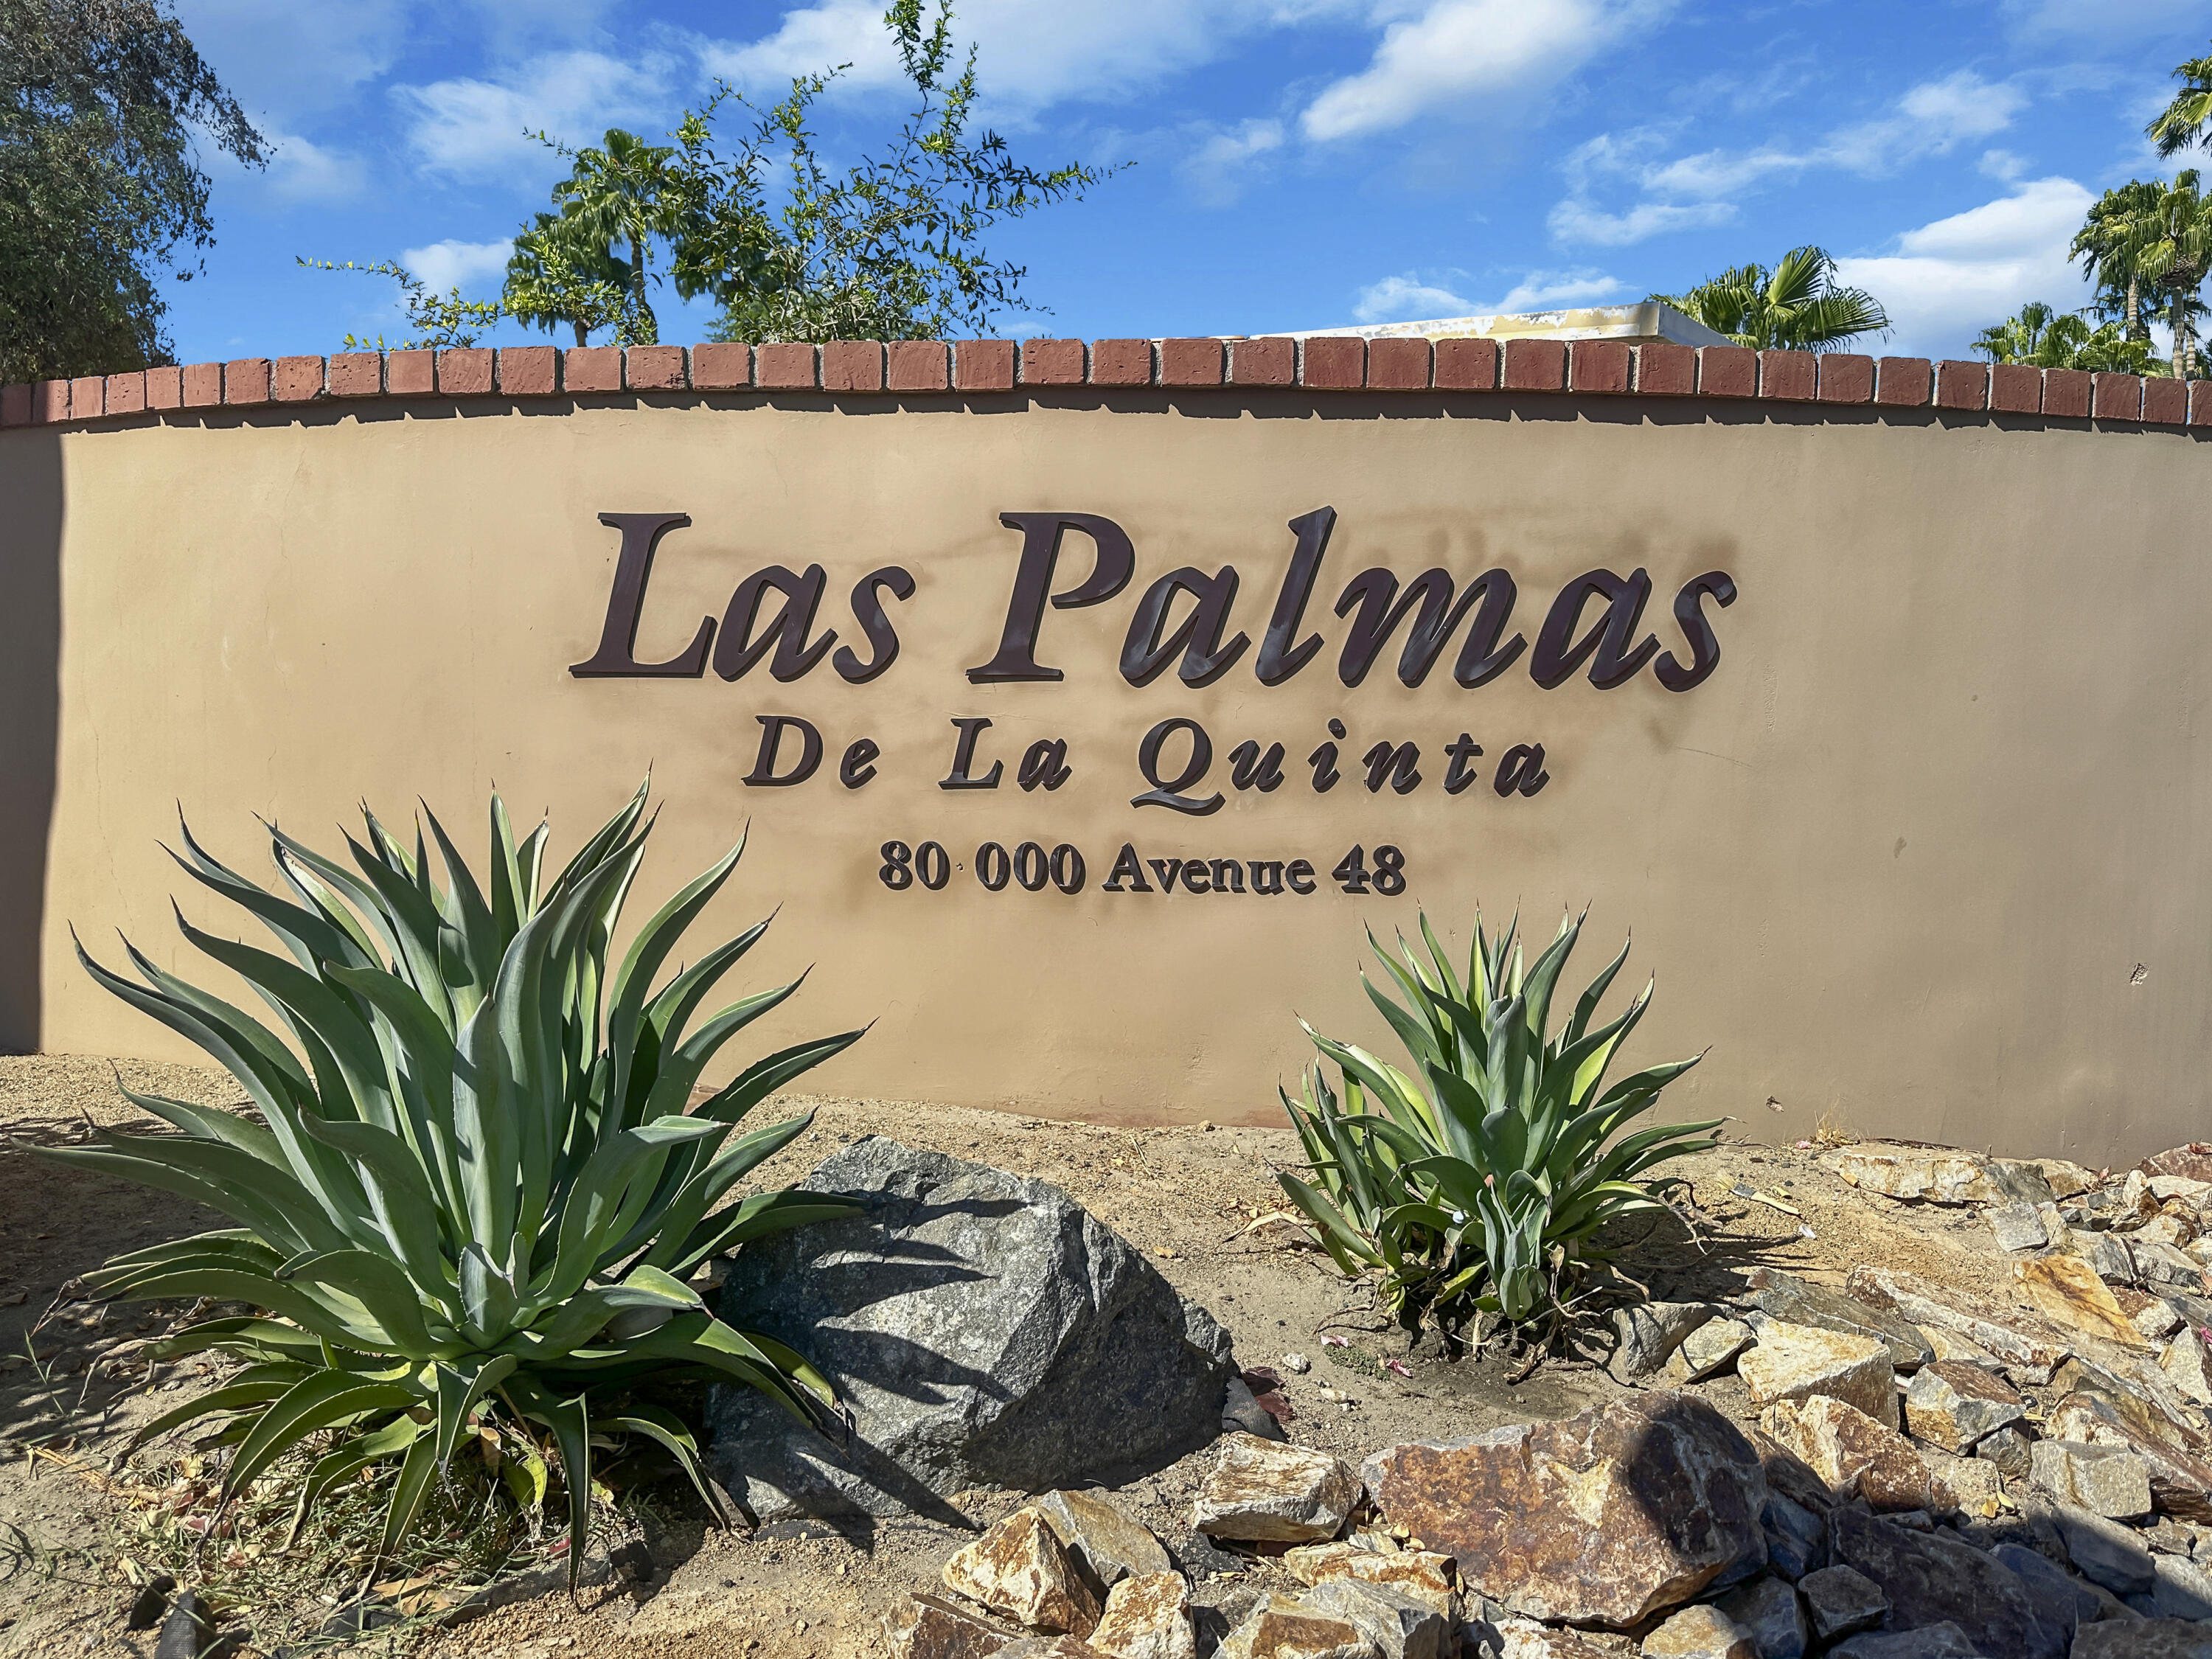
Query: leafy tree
x,y
434,320
2169,243
1796,305
2183,122
2046,338
569,266
101,188
555,277
2107,245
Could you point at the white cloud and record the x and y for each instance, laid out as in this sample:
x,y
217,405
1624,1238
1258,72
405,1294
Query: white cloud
x,y
1408,298
1402,299
2107,23
300,171
1950,279
1216,170
450,264
1932,118
472,128
1458,51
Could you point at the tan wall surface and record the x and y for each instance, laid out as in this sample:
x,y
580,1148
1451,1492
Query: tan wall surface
x,y
1927,852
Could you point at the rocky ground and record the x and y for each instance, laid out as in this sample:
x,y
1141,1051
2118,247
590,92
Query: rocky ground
x,y
1931,1353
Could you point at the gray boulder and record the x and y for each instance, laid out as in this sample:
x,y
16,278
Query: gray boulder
x,y
979,1328
1929,1578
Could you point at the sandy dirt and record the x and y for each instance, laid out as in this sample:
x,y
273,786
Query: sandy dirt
x,y
71,1385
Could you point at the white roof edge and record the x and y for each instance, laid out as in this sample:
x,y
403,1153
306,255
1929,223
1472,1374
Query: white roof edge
x,y
1649,320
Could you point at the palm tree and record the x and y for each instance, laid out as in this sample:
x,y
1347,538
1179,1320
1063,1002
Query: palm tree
x,y
2106,246
2183,122
2046,338
1797,305
2168,239
570,267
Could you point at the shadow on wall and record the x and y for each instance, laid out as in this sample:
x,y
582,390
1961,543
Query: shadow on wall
x,y
31,509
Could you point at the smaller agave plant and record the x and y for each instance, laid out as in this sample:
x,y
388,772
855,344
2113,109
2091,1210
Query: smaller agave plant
x,y
479,1188
1481,1183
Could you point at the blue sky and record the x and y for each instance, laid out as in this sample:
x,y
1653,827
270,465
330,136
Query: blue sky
x,y
1297,163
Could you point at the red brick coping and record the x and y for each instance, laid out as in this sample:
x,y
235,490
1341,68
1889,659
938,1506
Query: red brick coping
x,y
924,368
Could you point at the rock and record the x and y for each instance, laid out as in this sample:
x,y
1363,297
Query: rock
x,y
1020,1569
926,1627
1148,1616
2144,1397
2187,1365
188,1632
2161,1264
1524,1638
2104,1551
2180,1482
1840,1601
1856,1456
2153,1316
1790,1475
2066,1600
1264,1492
1708,1350
2107,1480
2184,1589
2017,1339
1047,1647
2067,1290
1795,1362
2064,1178
2167,1228
1797,1538
2018,1227
2193,1162
151,1605
1701,1631
1280,1628
1796,1302
2106,1253
1909,1174
1297,1364
1422,1575
1943,1641
983,1329
1931,1578
1242,1413
2144,1638
1605,1517
1769,1612
1648,1333
1399,1626
1949,1344
1106,1545
1953,1405
1976,1487
2009,1451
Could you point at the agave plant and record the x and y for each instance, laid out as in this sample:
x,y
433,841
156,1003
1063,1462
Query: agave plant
x,y
1482,1183
477,1186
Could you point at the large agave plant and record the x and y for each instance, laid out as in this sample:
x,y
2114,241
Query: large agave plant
x,y
1484,1179
478,1186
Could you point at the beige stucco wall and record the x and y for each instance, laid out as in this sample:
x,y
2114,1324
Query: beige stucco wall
x,y
1928,852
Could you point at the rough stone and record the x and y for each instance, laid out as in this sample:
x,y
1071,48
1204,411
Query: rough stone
x,y
2144,1638
1943,1641
2161,1264
1771,1615
2068,1292
2167,1187
1796,1302
1148,1616
981,1328
2193,1162
1423,1575
2018,1227
2106,1253
1524,1638
2166,1228
2016,1339
2155,1318
1605,1517
1280,1628
1976,1487
1018,1569
1911,1174
2107,1480
1399,1626
1841,1602
2184,1589
2180,1482
1266,1492
1107,1545
2008,1449
2144,1397
1952,1405
1648,1333
2067,1601
1701,1631
2104,1551
1047,1647
1796,1537
1855,1455
1931,1578
1796,1362
1949,1344
1242,1413
2064,1178
926,1627
2187,1367
1708,1350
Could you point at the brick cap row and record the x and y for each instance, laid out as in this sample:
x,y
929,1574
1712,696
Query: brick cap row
x,y
1322,363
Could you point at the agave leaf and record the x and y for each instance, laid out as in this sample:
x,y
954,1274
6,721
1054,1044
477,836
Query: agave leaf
x,y
316,1401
